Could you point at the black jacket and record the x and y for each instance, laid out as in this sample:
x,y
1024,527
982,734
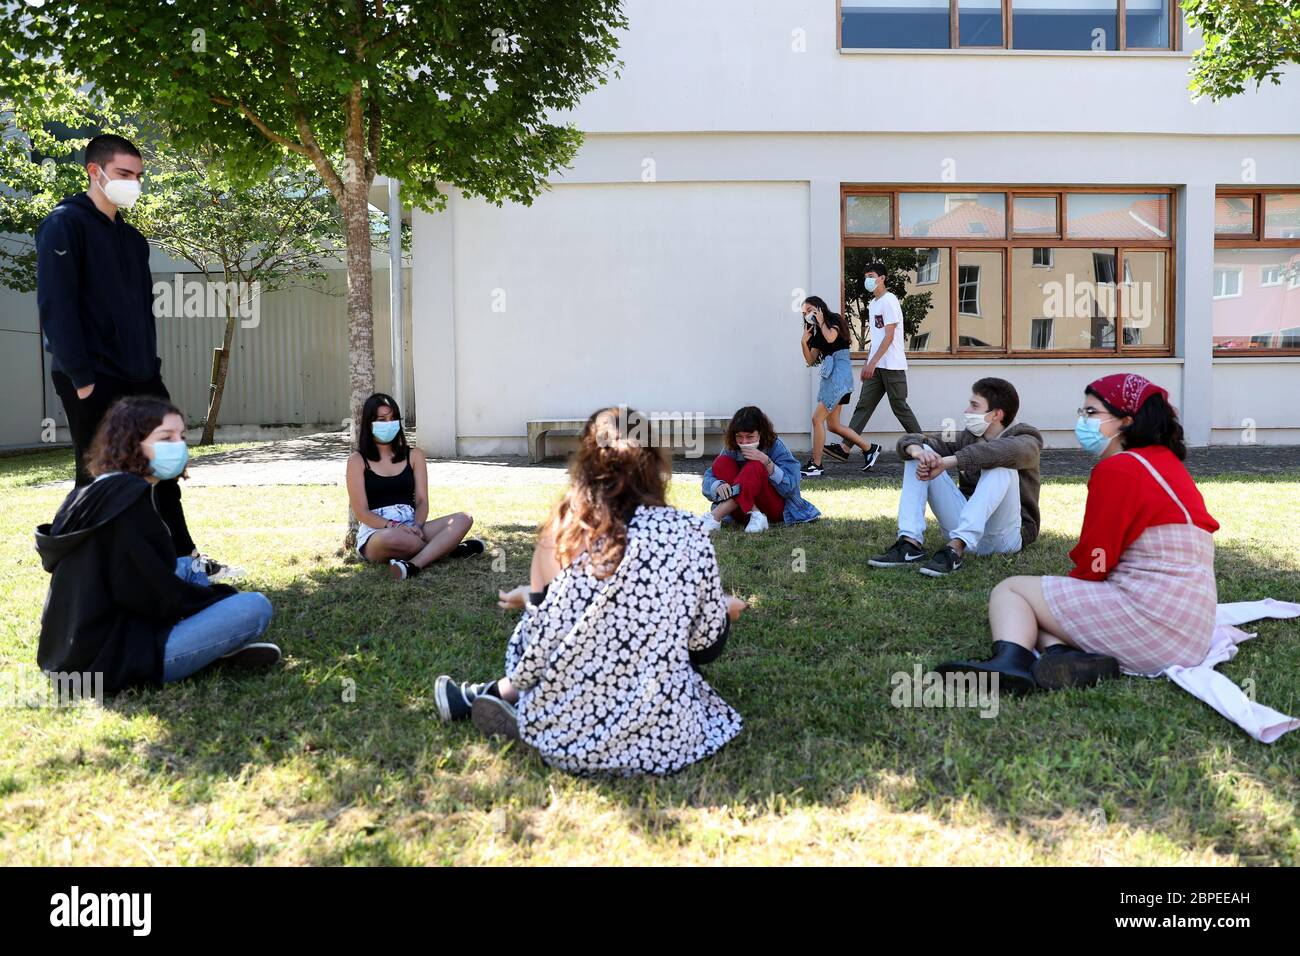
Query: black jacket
x,y
114,594
94,292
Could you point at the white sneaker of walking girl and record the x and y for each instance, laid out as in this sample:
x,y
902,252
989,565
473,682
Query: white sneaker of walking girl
x,y
757,522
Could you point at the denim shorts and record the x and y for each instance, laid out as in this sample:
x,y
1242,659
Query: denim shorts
x,y
402,514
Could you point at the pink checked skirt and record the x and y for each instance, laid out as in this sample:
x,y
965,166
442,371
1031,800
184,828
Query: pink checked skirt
x,y
1155,609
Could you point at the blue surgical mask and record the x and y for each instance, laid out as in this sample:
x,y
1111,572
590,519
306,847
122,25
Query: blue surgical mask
x,y
385,431
1088,432
169,459
870,283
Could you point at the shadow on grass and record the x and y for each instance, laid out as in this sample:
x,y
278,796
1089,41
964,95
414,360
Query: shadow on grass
x,y
349,720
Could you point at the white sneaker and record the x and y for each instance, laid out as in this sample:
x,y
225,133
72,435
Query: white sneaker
x,y
757,522
710,524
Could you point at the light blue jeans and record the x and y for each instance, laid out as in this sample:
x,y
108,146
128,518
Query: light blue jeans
x,y
987,523
185,571
217,630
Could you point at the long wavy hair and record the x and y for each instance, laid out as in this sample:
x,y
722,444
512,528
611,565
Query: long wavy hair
x,y
614,470
117,445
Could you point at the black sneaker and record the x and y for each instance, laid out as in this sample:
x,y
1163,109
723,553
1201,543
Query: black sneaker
x,y
455,700
871,457
400,570
944,562
903,553
1061,666
468,548
260,654
836,451
811,469
495,717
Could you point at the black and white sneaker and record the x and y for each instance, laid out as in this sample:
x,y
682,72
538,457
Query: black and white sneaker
x,y
944,562
260,654
811,469
455,700
468,548
903,553
836,451
215,571
871,457
495,717
400,570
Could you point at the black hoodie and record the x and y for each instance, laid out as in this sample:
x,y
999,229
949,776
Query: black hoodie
x,y
114,595
94,292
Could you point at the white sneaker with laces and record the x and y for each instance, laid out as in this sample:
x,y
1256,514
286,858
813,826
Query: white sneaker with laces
x,y
711,524
757,522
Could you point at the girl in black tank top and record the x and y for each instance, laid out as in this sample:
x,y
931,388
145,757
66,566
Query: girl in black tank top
x,y
393,526
383,490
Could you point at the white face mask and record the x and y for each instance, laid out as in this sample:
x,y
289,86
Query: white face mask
x,y
976,424
121,192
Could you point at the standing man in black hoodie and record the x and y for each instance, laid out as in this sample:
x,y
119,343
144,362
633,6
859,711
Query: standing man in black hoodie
x,y
94,291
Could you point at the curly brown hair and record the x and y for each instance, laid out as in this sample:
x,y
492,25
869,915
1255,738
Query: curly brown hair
x,y
117,442
750,419
613,471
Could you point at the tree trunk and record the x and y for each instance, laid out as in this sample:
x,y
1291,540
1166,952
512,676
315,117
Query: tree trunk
x,y
361,315
217,386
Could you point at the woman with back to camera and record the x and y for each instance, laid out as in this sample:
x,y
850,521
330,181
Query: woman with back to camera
x,y
624,603
388,488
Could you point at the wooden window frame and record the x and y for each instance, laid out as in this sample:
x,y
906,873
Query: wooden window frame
x,y
1011,242
954,31
1255,240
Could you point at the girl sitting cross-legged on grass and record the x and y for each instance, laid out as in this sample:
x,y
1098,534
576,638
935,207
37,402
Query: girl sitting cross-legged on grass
x,y
388,488
1141,595
118,605
756,479
624,602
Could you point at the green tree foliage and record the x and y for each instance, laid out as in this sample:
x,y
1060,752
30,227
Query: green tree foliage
x,y
455,92
1246,42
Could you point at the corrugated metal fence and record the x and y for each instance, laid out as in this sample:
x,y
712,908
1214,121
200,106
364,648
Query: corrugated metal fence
x,y
291,368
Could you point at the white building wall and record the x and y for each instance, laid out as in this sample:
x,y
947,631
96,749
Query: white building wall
x,y
682,197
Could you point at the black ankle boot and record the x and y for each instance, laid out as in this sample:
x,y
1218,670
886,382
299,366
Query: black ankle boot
x,y
1063,666
1012,663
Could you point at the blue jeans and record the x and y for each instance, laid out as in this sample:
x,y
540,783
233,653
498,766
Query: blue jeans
x,y
185,571
217,630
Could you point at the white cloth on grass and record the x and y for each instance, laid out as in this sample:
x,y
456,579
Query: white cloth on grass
x,y
1206,684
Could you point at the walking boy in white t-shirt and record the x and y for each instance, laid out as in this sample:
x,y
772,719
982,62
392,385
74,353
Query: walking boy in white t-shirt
x,y
886,370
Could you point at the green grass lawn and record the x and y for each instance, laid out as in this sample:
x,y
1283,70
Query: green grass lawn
x,y
278,768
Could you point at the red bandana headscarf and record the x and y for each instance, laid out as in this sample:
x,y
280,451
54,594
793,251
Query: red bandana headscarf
x,y
1127,391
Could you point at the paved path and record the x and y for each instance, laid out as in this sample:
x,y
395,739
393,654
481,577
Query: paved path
x,y
319,460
